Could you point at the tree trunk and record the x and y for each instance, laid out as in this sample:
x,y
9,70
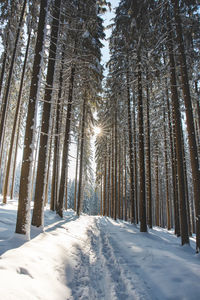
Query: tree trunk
x,y
112,173
116,156
38,210
166,176
15,158
46,189
174,167
101,203
143,225
23,214
119,182
76,174
125,183
4,59
148,159
178,130
55,171
59,208
157,189
34,166
81,155
5,101
135,165
130,145
105,182
108,182
189,120
16,117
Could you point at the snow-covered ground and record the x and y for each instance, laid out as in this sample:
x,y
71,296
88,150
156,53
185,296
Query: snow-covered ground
x,y
94,258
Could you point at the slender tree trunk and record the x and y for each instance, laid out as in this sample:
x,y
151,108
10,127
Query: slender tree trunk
x,y
3,159
108,182
148,159
125,183
23,214
166,176
5,164
101,203
46,190
38,210
81,156
105,184
122,181
76,174
116,156
186,186
157,189
189,120
34,166
4,59
66,189
174,168
112,174
143,225
178,130
15,159
135,165
55,171
5,101
119,181
16,117
59,208
130,145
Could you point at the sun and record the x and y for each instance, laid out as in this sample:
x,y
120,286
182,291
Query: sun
x,y
97,130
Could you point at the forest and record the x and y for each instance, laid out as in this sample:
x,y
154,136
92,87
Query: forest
x,y
130,124
142,107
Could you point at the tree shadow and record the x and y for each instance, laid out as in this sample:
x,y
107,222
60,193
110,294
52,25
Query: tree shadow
x,y
10,240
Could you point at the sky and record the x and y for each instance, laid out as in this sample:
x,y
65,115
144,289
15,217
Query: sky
x,y
107,17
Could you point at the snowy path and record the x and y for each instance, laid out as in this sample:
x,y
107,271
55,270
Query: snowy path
x,y
122,263
95,258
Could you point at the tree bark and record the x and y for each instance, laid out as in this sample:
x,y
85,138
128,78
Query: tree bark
x,y
81,156
148,159
174,166
166,176
23,214
5,101
189,120
157,189
76,175
55,171
108,182
16,117
116,156
38,210
105,182
130,136
178,130
143,225
59,208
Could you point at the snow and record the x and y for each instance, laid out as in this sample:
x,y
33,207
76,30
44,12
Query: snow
x,y
86,34
94,257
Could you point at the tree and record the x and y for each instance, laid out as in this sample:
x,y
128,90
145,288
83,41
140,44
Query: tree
x,y
37,218
23,213
189,119
5,101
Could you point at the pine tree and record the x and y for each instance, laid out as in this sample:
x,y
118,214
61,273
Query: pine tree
x,y
37,218
23,214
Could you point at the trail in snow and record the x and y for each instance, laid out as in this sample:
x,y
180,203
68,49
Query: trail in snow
x,y
94,258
